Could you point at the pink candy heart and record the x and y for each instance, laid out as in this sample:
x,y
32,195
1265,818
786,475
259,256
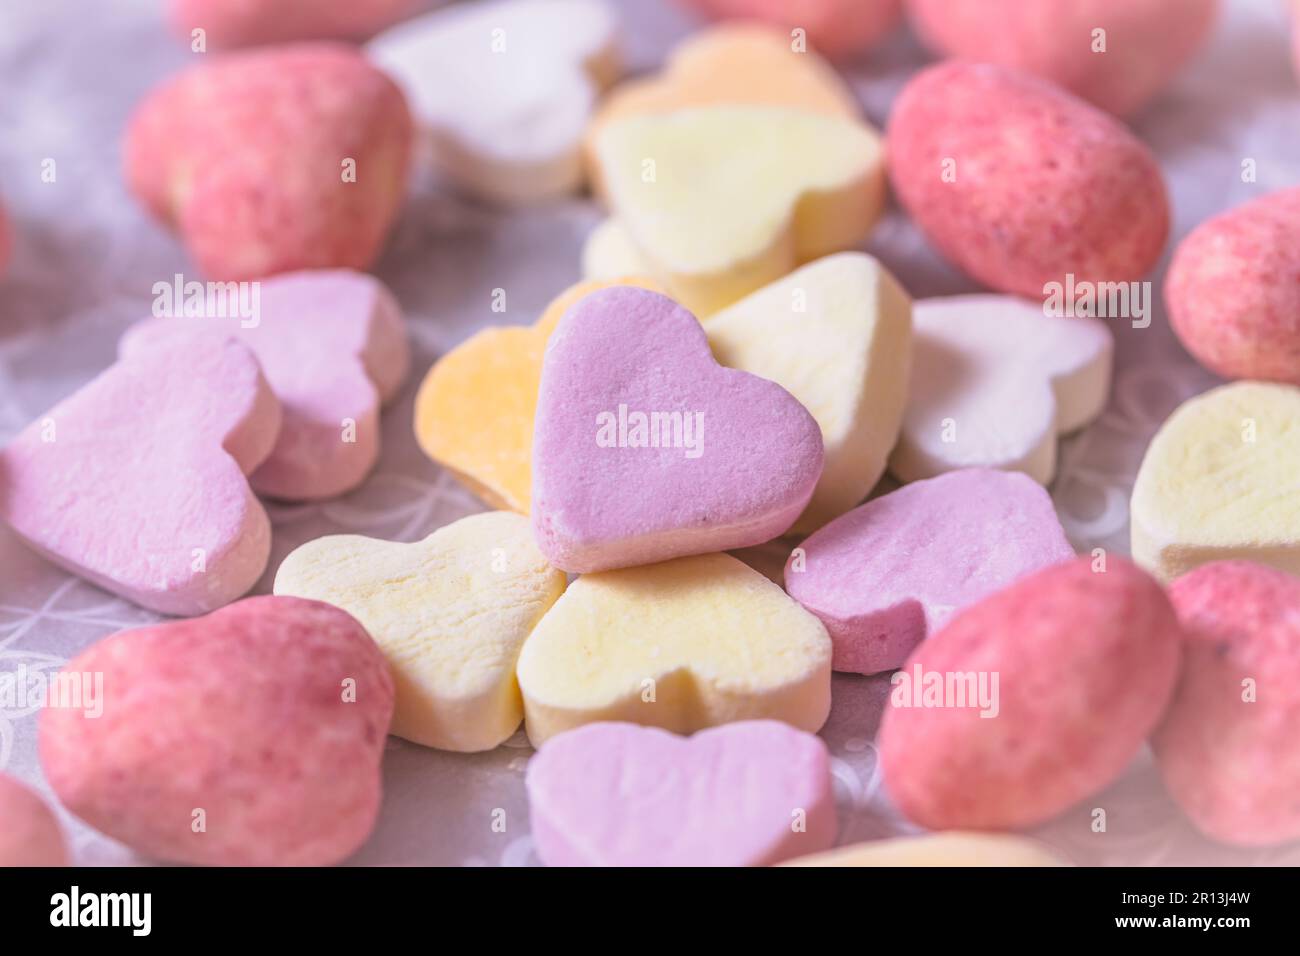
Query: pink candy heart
x,y
645,448
744,794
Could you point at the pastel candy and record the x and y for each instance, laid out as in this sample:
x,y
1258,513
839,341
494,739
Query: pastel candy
x,y
1227,746
318,185
609,252
837,333
745,794
1020,184
1218,482
1233,290
839,28
29,832
332,344
732,63
269,716
503,91
1067,716
682,645
475,410
450,614
137,482
722,200
994,382
890,572
952,848
232,23
646,449
1146,41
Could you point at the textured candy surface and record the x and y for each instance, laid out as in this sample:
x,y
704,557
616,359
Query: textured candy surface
x,y
745,794
646,449
29,831
994,382
449,612
683,645
138,482
332,344
1218,482
890,572
1020,184
249,737
1085,662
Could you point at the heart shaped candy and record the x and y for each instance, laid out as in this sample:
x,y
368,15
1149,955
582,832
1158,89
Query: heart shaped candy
x,y
646,449
994,381
449,612
475,410
316,187
682,645
722,200
504,90
30,835
137,481
332,344
1221,480
250,737
886,574
746,794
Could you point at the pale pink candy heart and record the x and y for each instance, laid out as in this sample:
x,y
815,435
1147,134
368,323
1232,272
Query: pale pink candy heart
x,y
332,344
137,481
745,794
29,831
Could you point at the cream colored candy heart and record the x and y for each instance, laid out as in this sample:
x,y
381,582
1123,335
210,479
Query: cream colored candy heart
x,y
1221,481
722,200
449,612
684,645
994,382
948,848
837,335
608,253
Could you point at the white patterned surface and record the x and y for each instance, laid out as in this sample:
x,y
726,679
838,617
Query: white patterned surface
x,y
86,258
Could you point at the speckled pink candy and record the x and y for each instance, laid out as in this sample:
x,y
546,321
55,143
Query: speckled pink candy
x,y
1147,41
241,714
837,28
1233,764
1233,290
1086,661
147,464
29,831
332,344
612,794
891,571
1045,184
244,156
231,23
597,508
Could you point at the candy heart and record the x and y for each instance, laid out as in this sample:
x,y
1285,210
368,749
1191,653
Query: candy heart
x,y
645,448
316,187
953,848
1227,746
840,28
1221,480
264,721
886,574
1117,54
837,334
722,200
30,835
1031,700
994,381
609,252
231,23
449,612
137,481
474,412
733,63
504,90
746,794
683,645
332,345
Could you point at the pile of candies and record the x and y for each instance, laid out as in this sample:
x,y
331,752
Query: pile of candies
x,y
729,372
